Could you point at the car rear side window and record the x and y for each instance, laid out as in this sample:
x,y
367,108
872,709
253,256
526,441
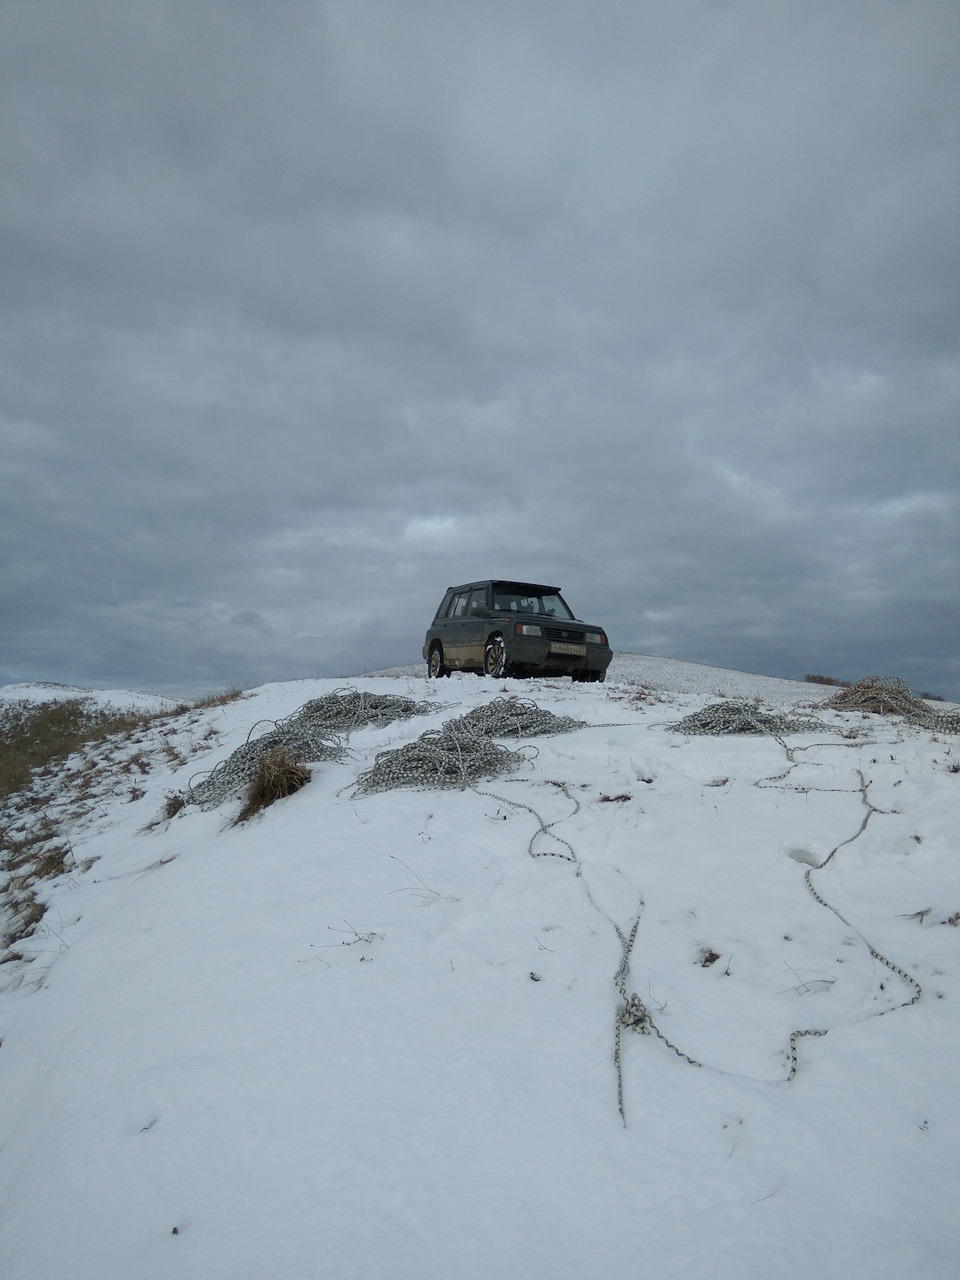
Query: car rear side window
x,y
444,605
459,606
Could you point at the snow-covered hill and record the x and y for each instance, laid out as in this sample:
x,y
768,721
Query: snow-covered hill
x,y
373,1035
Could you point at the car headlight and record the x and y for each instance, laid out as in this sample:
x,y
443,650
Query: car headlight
x,y
527,629
595,637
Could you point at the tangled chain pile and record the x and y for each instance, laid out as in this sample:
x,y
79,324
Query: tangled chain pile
x,y
745,717
314,732
438,758
889,695
463,751
512,718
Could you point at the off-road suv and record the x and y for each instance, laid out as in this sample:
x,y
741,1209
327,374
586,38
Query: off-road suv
x,y
513,628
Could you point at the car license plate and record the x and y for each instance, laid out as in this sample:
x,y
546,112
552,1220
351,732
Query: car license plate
x,y
574,650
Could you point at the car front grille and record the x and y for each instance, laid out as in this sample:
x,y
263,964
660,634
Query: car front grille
x,y
561,633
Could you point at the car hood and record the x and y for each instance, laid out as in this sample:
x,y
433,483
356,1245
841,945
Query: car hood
x,y
542,621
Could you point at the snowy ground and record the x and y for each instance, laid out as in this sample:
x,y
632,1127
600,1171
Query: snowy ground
x,y
373,1037
108,699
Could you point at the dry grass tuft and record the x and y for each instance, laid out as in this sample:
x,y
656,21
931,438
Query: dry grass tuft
x,y
25,913
173,802
55,860
217,699
278,775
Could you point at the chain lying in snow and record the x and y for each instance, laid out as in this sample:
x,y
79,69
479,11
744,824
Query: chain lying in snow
x,y
794,1037
314,732
545,827
871,810
808,881
463,751
891,695
744,717
633,1013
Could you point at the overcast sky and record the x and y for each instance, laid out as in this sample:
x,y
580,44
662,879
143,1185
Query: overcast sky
x,y
312,308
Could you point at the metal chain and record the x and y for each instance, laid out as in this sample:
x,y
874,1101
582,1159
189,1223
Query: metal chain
x,y
891,695
894,968
313,732
634,1014
544,828
887,693
462,751
744,717
871,809
512,717
794,1037
873,695
438,758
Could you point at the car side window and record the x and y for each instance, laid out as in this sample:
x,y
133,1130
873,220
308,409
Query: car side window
x,y
444,605
459,606
478,602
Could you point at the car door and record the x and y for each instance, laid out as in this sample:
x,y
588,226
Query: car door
x,y
474,629
452,634
438,627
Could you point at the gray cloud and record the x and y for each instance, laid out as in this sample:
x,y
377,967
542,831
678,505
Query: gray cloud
x,y
312,309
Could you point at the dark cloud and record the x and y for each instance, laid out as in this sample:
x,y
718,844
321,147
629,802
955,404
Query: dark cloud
x,y
312,309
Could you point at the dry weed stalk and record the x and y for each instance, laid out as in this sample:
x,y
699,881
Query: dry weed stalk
x,y
278,775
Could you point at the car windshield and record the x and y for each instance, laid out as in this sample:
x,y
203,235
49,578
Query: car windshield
x,y
549,603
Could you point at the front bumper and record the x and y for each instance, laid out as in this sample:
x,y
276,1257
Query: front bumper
x,y
534,653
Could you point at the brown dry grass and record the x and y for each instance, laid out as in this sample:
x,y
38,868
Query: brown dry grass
x,y
35,740
217,699
25,913
277,776
37,736
173,802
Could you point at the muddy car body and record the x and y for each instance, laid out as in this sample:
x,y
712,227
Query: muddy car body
x,y
499,627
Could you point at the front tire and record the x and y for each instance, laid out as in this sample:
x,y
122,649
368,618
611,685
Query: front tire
x,y
495,658
436,667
